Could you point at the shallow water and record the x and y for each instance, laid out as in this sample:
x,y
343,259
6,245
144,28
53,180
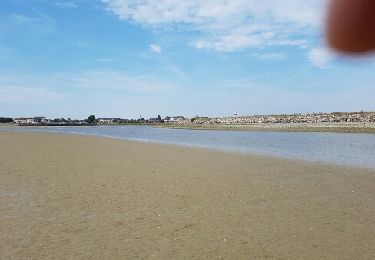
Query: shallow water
x,y
336,148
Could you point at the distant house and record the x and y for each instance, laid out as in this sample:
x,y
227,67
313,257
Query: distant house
x,y
22,120
108,121
176,119
155,120
41,120
30,120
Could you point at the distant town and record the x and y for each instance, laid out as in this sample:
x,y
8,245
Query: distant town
x,y
91,120
310,118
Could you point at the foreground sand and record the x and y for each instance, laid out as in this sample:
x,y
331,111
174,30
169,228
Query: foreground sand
x,y
80,197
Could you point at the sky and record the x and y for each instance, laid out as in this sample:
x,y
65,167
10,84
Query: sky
x,y
126,58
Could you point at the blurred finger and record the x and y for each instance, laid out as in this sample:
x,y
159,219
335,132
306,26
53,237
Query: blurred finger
x,y
351,26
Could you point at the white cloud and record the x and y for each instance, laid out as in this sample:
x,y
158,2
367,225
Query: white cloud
x,y
270,56
66,5
225,25
320,56
155,48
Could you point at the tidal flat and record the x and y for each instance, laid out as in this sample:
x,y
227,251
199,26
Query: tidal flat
x,y
75,196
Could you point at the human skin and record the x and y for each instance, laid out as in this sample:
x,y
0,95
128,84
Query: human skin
x,y
351,26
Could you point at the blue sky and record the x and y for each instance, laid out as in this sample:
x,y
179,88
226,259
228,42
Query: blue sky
x,y
122,58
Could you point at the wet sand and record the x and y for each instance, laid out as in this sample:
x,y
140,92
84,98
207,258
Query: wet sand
x,y
82,197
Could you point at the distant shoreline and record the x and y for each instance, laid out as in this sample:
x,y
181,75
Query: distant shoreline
x,y
337,122
300,127
368,128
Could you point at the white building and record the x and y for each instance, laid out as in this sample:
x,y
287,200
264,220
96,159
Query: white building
x,y
108,120
175,119
30,120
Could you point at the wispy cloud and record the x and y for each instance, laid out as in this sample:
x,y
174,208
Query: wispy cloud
x,y
105,60
117,80
20,24
111,81
66,5
269,56
78,94
116,93
226,26
14,94
155,48
249,96
320,57
16,89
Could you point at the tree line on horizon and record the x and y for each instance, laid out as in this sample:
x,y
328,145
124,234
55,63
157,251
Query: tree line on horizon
x,y
5,120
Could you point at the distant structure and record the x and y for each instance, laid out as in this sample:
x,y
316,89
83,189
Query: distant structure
x,y
174,119
108,121
30,120
311,118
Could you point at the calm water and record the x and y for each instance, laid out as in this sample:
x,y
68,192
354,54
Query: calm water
x,y
349,149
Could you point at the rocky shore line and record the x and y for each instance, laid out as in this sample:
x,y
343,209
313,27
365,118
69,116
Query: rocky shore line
x,y
336,117
353,122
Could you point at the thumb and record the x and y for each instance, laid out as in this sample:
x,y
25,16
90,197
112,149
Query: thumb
x,y
351,26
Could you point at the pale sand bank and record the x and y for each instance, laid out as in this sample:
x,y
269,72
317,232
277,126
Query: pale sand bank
x,y
81,197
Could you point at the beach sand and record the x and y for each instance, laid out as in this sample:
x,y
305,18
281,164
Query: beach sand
x,y
84,197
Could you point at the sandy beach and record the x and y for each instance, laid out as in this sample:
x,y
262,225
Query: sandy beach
x,y
85,197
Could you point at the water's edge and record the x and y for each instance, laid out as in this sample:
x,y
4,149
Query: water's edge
x,y
330,148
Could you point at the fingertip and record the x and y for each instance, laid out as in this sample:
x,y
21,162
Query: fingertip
x,y
350,26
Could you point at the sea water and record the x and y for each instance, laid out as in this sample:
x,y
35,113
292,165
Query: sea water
x,y
337,148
